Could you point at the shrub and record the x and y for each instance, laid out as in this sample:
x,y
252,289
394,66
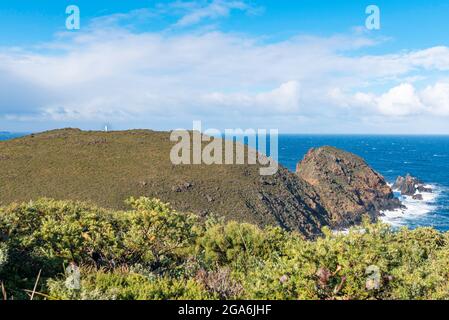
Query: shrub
x,y
126,285
410,265
153,252
60,231
47,234
155,233
232,242
219,284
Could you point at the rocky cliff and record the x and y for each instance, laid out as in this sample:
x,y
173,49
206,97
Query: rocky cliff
x,y
347,186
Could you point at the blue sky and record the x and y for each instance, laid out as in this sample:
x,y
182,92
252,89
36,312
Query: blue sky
x,y
305,66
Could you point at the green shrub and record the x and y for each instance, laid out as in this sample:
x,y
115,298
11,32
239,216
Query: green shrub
x,y
59,231
126,285
154,252
155,233
411,265
233,242
47,234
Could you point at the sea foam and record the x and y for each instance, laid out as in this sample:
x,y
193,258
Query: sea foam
x,y
415,209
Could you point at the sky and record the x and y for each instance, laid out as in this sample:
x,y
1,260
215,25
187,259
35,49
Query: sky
x,y
305,66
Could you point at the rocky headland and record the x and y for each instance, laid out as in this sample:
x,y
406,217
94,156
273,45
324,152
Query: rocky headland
x,y
331,187
347,185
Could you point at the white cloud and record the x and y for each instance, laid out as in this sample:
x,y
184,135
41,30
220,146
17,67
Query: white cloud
x,y
133,16
357,100
432,58
195,12
284,99
436,97
99,74
400,101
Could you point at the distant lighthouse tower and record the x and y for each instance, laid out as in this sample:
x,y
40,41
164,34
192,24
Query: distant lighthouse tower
x,y
106,128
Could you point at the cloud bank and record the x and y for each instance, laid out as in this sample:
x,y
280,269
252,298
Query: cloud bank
x,y
165,79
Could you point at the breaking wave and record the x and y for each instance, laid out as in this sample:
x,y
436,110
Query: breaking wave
x,y
415,209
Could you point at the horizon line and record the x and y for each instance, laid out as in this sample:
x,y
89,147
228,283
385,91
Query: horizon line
x,y
280,133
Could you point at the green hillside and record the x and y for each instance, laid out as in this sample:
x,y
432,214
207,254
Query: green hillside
x,y
106,168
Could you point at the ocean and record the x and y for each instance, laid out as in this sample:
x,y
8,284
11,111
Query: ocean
x,y
426,157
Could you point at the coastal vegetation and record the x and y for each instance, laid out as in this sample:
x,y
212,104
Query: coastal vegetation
x,y
228,233
150,251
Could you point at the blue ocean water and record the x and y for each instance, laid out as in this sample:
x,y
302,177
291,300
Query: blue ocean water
x,y
426,157
8,135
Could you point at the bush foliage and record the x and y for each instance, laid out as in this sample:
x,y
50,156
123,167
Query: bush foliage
x,y
153,252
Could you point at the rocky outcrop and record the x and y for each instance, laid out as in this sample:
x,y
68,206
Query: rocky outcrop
x,y
418,197
409,186
347,186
